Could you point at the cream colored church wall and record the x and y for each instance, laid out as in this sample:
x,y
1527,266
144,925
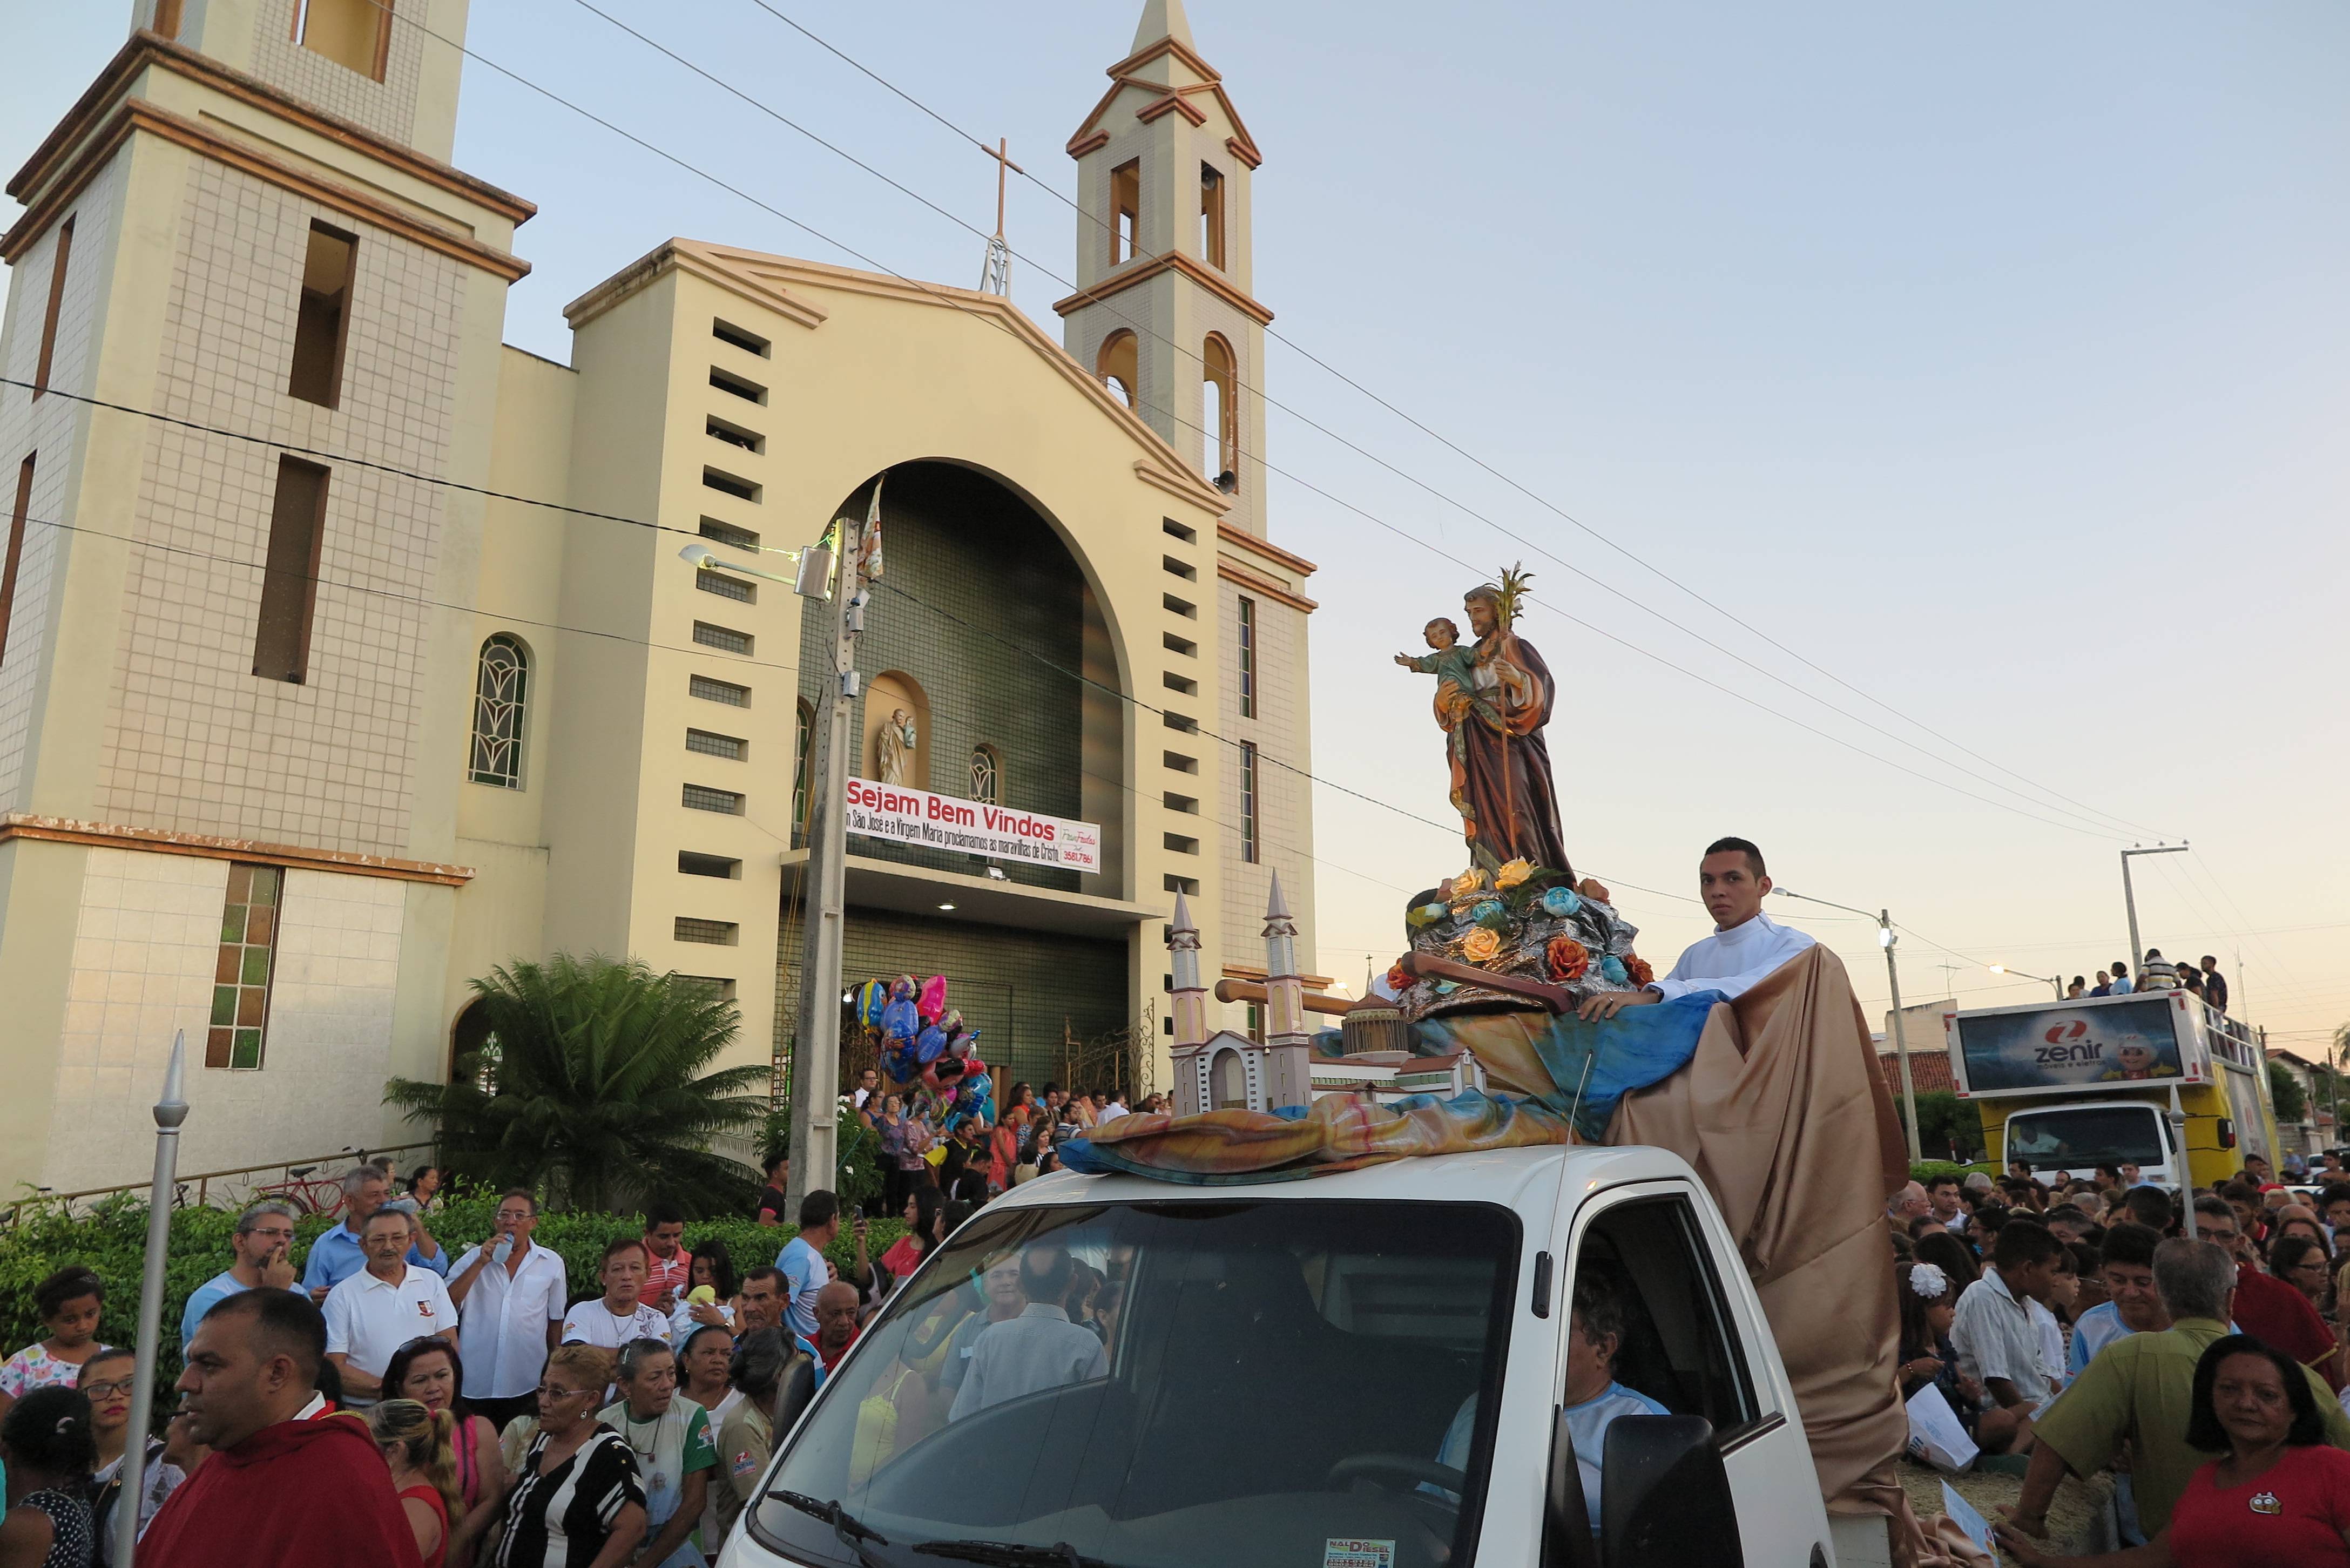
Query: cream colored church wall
x,y
145,937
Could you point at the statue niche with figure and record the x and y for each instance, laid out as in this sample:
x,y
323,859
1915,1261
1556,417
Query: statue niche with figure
x,y
1493,700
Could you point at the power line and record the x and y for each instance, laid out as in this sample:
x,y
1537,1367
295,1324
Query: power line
x,y
1409,419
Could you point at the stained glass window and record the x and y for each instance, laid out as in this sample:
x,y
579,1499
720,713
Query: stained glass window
x,y
986,777
248,957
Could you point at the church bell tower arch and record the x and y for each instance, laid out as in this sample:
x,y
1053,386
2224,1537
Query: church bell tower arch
x,y
1164,169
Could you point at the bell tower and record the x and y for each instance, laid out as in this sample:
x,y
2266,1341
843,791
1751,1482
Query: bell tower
x,y
1163,310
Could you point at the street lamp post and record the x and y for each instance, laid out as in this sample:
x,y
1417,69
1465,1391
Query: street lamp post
x,y
170,1112
813,1138
2130,898
1885,939
2055,983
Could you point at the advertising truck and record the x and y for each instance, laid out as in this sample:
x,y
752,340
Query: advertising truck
x,y
2154,1079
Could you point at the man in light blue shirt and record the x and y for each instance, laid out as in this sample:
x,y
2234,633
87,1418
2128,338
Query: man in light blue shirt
x,y
1038,1350
337,1255
2122,986
802,1264
1594,1398
264,1234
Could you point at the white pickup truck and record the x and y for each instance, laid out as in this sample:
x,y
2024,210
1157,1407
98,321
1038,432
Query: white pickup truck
x,y
1282,1363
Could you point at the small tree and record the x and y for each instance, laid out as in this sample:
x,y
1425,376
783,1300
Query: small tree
x,y
1946,1123
594,1085
2284,1089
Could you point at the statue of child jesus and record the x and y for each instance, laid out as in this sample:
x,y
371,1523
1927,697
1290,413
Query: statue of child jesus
x,y
1454,666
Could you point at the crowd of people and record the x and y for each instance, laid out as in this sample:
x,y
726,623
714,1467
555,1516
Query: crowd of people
x,y
384,1403
2083,1327
2156,973
926,1142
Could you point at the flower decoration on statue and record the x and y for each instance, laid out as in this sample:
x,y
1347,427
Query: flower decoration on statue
x,y
1566,959
1637,968
1398,981
1511,875
1481,946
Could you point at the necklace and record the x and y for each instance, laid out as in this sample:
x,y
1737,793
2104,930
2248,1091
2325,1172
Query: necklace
x,y
629,1421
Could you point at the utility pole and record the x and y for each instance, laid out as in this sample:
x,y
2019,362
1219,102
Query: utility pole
x,y
1885,939
816,1045
2130,898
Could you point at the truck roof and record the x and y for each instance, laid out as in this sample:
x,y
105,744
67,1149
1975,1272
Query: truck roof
x,y
1494,1175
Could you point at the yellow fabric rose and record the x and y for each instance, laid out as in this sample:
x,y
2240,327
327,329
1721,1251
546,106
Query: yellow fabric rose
x,y
1510,875
1480,945
1468,882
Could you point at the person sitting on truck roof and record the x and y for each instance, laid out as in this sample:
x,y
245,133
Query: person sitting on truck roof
x,y
2140,1391
1998,1333
2104,986
1746,946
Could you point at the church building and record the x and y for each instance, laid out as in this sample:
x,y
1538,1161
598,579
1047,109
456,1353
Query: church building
x,y
348,653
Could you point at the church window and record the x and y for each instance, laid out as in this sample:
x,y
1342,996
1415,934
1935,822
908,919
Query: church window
x,y
723,637
1184,722
1116,365
56,305
289,576
1177,763
749,391
1219,423
747,341
1186,886
1248,657
702,797
726,483
751,441
1126,212
248,955
1182,569
726,587
717,933
724,691
1256,1021
1179,845
1183,683
804,771
354,34
1183,645
321,323
501,690
1184,607
692,865
728,534
1175,530
1182,802
1212,215
1248,801
710,745
986,777
1227,1082
16,549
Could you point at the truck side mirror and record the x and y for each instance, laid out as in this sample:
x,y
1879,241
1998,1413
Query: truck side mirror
x,y
1567,1540
1664,1496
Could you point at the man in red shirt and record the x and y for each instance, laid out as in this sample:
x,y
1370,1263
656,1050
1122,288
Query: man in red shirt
x,y
2266,1307
669,1267
279,1491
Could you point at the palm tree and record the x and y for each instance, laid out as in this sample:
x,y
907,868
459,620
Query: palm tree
x,y
594,1084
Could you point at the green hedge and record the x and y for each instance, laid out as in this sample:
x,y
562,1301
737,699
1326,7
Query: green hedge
x,y
1927,1169
113,1240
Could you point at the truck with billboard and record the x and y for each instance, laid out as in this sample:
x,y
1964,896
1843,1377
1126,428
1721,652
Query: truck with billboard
x,y
2155,1079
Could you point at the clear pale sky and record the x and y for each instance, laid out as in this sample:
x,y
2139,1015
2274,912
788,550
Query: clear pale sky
x,y
1992,360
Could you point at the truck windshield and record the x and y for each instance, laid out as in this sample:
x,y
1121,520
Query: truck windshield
x,y
1166,1385
2093,1135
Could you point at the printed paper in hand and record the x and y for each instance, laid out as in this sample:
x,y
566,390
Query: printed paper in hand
x,y
1963,1515
1935,1434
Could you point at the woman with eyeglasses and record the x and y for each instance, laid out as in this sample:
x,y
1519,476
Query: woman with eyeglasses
x,y
674,1447
431,1372
106,1384
577,1500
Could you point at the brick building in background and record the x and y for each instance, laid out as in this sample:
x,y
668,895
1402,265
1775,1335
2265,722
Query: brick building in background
x,y
292,747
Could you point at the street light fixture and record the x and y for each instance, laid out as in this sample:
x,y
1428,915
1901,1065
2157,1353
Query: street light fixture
x,y
2129,898
2055,984
1885,939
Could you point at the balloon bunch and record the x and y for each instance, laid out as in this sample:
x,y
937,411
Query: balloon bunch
x,y
924,1039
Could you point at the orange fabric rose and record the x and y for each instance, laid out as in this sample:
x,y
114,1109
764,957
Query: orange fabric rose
x,y
1398,981
1566,959
1638,968
1480,945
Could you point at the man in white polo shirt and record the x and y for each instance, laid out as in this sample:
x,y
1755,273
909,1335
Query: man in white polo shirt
x,y
510,1295
383,1306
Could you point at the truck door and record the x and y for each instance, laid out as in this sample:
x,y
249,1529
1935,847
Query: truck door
x,y
1651,1257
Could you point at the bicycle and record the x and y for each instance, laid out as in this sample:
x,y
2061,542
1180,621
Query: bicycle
x,y
323,1196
